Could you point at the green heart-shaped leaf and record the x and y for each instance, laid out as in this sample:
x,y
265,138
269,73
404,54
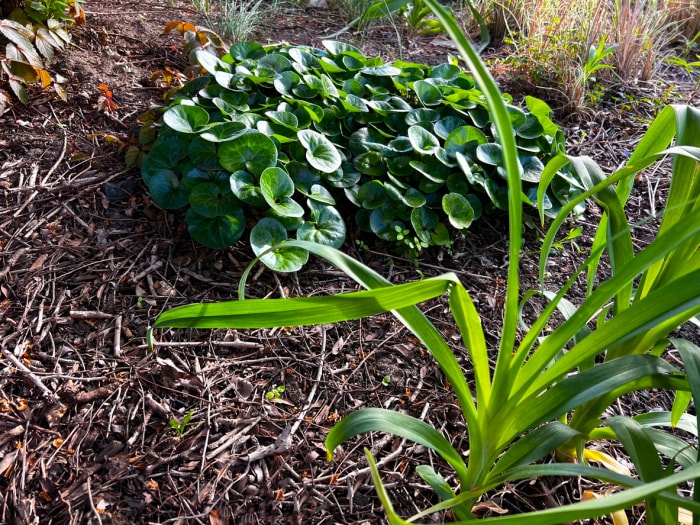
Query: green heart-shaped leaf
x,y
222,131
370,163
531,128
336,48
383,223
327,228
458,209
276,62
464,140
372,195
321,153
269,232
413,198
285,82
284,118
216,232
422,140
427,93
210,199
317,193
252,151
417,116
491,154
532,168
186,118
243,50
447,125
244,187
167,191
277,188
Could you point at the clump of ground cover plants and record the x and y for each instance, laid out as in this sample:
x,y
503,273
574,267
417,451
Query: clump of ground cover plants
x,y
293,137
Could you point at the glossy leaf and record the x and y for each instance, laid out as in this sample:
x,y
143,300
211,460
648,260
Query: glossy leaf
x,y
277,188
427,93
244,186
167,190
216,232
268,233
458,210
253,152
422,140
186,118
210,199
327,228
222,131
320,152
447,125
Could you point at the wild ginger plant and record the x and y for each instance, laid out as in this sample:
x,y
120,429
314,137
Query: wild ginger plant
x,y
545,393
307,136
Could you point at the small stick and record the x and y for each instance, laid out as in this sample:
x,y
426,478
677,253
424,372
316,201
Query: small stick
x,y
40,317
156,265
31,184
89,314
92,502
11,262
32,377
236,343
59,160
118,336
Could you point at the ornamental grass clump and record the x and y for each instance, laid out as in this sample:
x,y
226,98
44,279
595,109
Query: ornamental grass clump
x,y
297,138
537,410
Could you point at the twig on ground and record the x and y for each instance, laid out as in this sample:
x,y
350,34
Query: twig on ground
x,y
12,261
92,503
153,267
87,314
60,158
236,343
30,184
30,375
118,336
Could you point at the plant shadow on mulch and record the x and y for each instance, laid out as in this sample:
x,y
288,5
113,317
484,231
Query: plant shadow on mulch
x,y
87,262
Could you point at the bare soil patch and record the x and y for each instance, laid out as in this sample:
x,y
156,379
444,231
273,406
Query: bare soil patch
x,y
87,262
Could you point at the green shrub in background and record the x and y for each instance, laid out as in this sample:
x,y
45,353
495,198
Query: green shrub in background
x,y
29,37
549,387
292,135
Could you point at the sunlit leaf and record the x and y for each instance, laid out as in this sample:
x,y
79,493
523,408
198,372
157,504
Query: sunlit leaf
x,y
320,152
458,210
268,233
326,228
253,152
186,118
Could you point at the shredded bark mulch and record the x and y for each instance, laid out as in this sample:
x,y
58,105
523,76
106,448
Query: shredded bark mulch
x,y
91,421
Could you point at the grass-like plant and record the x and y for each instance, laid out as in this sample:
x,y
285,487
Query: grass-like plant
x,y
352,10
557,45
238,19
686,13
546,392
642,31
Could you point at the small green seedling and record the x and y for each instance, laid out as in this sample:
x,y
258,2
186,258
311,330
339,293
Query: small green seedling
x,y
573,234
386,380
180,426
275,393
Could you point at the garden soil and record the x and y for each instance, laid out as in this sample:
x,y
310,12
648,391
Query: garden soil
x,y
91,420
